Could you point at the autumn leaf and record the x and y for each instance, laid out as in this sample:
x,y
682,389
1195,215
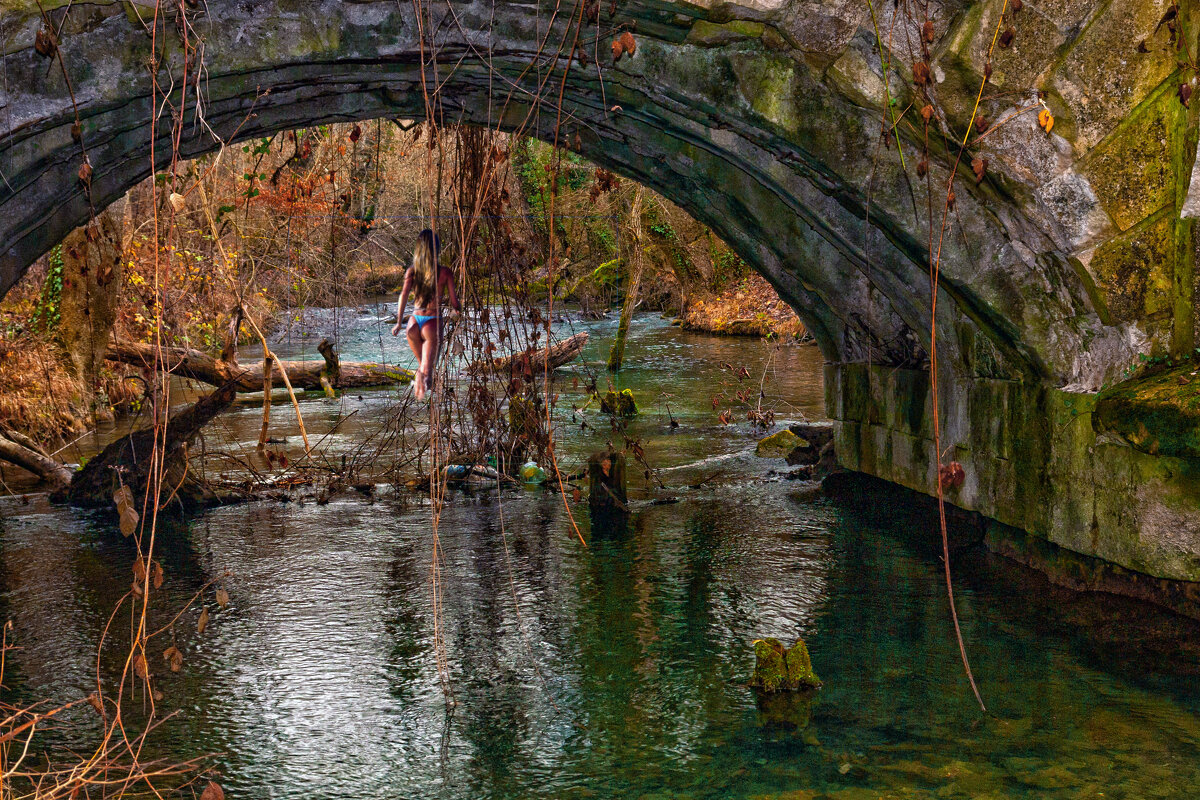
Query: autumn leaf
x,y
628,43
927,31
618,49
1046,120
93,700
1185,94
139,667
222,597
920,73
927,113
45,43
202,623
174,658
156,574
979,167
85,173
1006,38
212,792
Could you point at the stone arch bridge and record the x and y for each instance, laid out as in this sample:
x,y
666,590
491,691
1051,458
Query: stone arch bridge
x,y
1068,265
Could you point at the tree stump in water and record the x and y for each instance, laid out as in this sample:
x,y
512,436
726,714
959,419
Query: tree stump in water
x,y
778,668
606,482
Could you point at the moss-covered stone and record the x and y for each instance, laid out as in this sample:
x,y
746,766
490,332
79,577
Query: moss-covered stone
x,y
778,444
620,403
1134,270
1131,170
1158,415
711,34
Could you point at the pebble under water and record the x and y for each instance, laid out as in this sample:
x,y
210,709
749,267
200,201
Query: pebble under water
x,y
619,669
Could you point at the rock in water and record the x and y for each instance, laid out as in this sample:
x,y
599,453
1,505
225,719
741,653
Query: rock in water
x,y
619,403
779,444
777,668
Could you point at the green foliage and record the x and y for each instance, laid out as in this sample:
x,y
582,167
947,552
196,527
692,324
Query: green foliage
x,y
48,313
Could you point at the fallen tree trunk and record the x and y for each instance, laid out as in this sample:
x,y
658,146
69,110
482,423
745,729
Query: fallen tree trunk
x,y
325,375
533,362
16,449
128,461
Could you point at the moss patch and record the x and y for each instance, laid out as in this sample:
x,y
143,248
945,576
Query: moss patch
x,y
779,444
1159,415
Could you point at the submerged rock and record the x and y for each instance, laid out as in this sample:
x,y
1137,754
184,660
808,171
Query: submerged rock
x,y
779,444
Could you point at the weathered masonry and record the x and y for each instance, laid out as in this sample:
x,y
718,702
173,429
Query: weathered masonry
x,y
1069,264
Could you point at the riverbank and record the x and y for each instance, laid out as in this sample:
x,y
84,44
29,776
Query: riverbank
x,y
749,308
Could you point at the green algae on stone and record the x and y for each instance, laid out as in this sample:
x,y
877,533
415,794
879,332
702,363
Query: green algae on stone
x,y
1158,415
779,444
777,668
620,403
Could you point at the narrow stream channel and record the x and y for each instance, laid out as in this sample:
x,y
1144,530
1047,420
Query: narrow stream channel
x,y
615,670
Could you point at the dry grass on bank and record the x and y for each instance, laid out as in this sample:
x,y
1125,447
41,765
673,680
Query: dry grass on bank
x,y
749,308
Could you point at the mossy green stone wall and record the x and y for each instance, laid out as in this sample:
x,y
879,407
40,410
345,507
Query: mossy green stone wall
x,y
1035,458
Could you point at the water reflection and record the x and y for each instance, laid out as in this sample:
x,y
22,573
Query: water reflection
x,y
616,669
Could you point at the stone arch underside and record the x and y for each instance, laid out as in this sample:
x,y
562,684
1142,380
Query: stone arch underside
x,y
740,115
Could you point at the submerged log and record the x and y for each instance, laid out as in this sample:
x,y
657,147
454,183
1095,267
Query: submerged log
x,y
533,361
326,375
127,461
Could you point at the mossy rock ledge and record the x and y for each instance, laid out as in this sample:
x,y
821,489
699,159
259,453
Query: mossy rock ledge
x,y
779,669
1158,415
619,403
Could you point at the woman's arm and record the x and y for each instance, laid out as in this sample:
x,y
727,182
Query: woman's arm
x,y
449,277
402,302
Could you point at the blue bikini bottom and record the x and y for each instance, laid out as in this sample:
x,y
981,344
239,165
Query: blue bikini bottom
x,y
422,320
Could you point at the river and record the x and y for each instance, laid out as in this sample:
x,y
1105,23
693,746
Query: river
x,y
616,669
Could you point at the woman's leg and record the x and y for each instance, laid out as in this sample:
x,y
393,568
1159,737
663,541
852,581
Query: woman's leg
x,y
431,336
413,334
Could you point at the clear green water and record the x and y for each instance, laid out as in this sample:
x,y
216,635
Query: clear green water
x,y
614,670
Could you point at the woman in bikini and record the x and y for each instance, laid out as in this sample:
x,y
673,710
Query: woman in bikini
x,y
426,280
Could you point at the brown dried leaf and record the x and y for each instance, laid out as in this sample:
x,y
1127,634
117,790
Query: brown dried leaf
x,y
93,700
202,623
76,131
618,49
85,173
212,792
920,73
979,167
576,495
927,31
139,667
982,123
156,574
222,597
922,168
927,113
45,42
628,43
1017,5
129,521
139,569
174,658
355,133
1185,94
1006,38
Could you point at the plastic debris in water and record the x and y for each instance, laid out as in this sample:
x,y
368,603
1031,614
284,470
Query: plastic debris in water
x,y
532,474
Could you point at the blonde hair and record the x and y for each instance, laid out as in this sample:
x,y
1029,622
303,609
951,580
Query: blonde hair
x,y
425,267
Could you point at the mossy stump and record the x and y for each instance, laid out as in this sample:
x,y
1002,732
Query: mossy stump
x,y
620,403
780,669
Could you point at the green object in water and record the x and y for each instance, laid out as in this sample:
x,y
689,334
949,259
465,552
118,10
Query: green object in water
x,y
531,473
777,668
778,444
620,403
